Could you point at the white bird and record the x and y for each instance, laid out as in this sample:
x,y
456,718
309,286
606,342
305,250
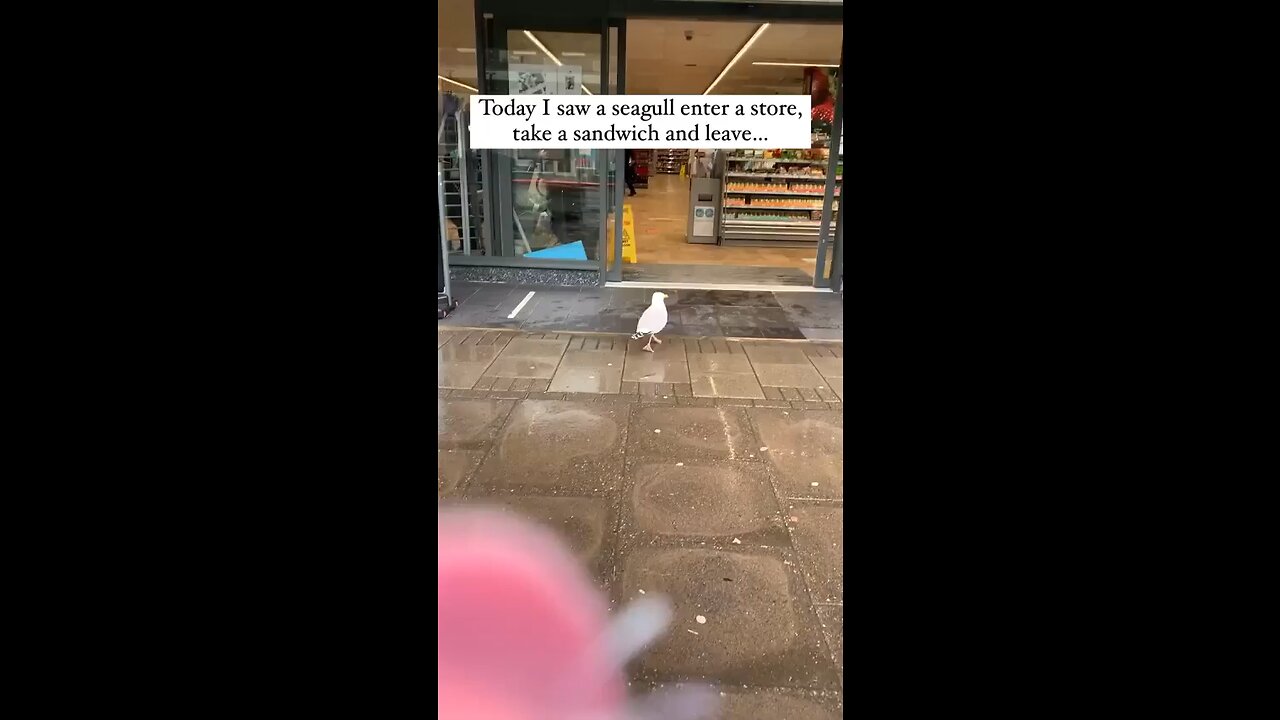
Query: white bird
x,y
652,321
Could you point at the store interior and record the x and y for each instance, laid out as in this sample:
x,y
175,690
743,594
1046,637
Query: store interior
x,y
768,203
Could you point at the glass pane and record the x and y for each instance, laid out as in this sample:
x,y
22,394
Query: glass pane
x,y
556,208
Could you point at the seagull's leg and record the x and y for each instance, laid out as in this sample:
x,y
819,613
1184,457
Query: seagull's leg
x,y
655,338
649,345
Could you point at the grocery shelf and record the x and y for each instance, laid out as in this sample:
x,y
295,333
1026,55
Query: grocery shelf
x,y
730,208
784,161
779,192
820,178
769,223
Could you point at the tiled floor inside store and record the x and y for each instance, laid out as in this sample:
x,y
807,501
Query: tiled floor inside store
x,y
661,216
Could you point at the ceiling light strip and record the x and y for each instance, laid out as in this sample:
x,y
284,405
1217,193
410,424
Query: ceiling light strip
x,y
790,64
533,39
543,48
455,82
759,31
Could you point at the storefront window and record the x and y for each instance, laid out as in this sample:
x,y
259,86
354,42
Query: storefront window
x,y
557,209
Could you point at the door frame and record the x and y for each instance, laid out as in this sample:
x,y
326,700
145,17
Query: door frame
x,y
491,34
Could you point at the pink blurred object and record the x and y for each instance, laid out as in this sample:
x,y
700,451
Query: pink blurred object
x,y
521,629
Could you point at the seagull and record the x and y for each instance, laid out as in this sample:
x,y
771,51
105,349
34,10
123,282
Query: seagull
x,y
652,321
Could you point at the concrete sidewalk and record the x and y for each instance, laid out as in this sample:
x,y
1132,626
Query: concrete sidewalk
x,y
680,371
711,472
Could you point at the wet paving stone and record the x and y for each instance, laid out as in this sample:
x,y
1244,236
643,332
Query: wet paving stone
x,y
783,366
666,364
720,500
818,534
832,370
807,449
586,525
468,423
750,704
831,618
686,434
597,371
460,366
526,357
724,375
550,446
453,466
758,628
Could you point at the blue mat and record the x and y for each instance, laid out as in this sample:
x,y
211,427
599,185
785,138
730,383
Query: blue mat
x,y
572,251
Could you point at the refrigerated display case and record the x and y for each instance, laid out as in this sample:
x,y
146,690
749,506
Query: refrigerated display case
x,y
774,197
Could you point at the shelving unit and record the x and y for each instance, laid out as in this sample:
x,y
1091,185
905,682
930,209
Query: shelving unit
x,y
766,211
669,161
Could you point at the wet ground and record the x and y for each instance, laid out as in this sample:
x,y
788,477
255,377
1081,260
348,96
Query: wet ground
x,y
691,313
710,471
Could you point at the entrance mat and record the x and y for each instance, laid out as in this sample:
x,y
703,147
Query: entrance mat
x,y
713,274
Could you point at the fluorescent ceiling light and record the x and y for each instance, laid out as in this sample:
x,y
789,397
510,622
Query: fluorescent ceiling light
x,y
795,64
455,82
523,52
466,50
759,31
554,59
573,54
542,47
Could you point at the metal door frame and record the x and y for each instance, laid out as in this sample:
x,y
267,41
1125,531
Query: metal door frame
x,y
826,234
491,34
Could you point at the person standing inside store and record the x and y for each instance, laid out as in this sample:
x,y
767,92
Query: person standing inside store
x,y
630,173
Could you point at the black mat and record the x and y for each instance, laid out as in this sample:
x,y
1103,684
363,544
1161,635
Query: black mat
x,y
710,274
690,313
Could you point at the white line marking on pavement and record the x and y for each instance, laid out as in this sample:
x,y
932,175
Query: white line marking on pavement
x,y
521,305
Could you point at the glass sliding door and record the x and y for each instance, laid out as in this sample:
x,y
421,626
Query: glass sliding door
x,y
548,206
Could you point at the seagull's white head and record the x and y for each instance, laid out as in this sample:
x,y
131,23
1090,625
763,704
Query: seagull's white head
x,y
659,297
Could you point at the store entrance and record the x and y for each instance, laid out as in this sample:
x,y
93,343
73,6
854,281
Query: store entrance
x,y
773,210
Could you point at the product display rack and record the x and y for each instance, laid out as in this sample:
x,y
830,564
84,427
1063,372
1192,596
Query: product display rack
x,y
669,161
774,197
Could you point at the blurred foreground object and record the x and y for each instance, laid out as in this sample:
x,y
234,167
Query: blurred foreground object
x,y
523,635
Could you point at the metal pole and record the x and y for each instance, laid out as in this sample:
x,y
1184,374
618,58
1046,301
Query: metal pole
x,y
464,187
444,238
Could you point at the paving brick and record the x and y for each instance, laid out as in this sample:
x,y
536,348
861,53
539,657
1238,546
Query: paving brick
x,y
773,393
791,394
757,628
486,383
826,395
695,402
773,404
545,396
818,534
804,447
630,387
497,383
682,389
549,447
